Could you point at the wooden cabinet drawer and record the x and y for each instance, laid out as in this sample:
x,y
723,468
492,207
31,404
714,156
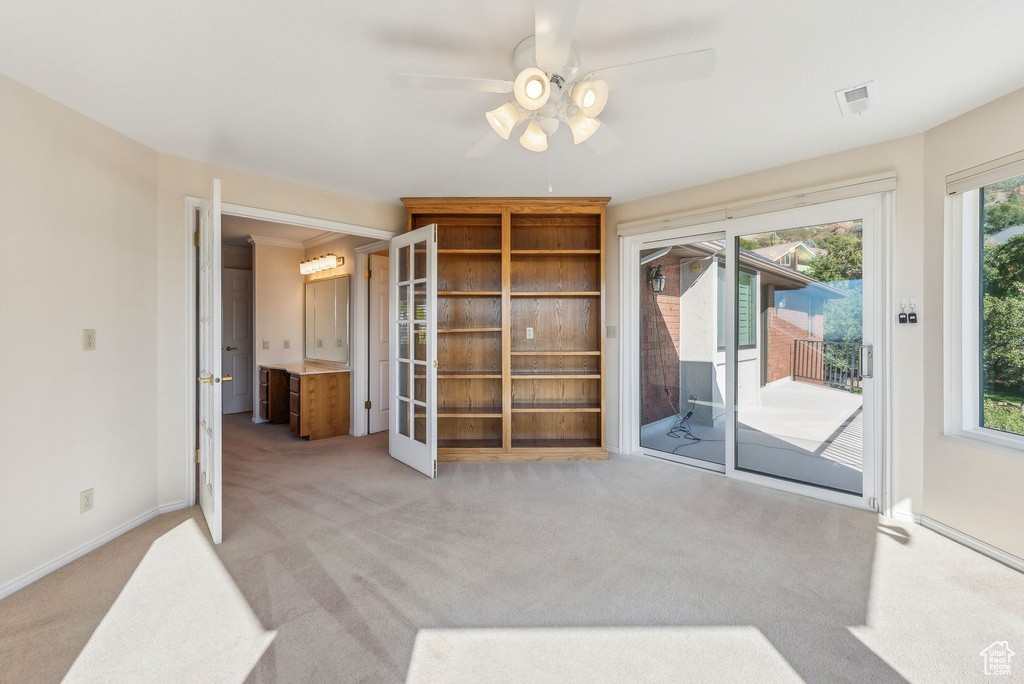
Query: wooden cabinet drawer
x,y
293,383
293,403
294,422
263,411
263,391
264,375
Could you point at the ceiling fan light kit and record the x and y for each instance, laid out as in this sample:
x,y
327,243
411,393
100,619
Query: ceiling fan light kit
x,y
582,126
549,88
503,119
532,88
591,97
534,138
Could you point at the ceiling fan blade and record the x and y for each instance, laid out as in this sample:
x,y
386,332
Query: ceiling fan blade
x,y
604,140
688,66
554,27
424,82
486,145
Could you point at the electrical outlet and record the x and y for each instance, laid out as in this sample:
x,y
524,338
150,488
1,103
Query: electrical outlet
x,y
89,340
287,344
319,344
86,501
266,344
529,333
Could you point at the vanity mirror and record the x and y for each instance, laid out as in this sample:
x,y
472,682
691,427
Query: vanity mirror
x,y
327,320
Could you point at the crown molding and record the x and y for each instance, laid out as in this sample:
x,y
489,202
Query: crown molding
x,y
275,242
322,239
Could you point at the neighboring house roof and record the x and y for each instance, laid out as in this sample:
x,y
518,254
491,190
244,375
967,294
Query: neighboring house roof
x,y
752,260
776,252
1005,234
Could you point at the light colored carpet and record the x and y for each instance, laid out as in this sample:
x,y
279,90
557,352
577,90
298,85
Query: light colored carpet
x,y
618,570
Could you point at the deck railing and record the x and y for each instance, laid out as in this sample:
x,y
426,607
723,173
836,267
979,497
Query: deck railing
x,y
833,364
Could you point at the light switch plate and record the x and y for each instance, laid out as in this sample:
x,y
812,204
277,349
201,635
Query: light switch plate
x,y
89,340
529,333
613,331
266,344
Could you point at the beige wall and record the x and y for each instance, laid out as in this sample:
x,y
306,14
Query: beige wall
x,y
178,178
279,303
977,490
78,225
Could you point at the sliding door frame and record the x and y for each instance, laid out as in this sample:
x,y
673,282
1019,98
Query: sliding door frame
x,y
877,212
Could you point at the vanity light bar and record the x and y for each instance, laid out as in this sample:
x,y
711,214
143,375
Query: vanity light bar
x,y
320,263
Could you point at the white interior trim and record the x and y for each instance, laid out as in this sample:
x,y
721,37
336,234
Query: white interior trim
x,y
79,551
371,247
855,187
303,221
276,242
360,347
973,543
985,174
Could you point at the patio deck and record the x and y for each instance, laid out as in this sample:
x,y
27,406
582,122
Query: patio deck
x,y
797,430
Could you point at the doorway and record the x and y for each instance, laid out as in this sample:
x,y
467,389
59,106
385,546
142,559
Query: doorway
x,y
753,345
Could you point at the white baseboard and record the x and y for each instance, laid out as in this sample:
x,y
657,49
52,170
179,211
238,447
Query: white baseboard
x,y
76,553
907,516
612,449
970,542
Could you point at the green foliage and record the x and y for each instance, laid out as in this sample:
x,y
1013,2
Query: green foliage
x,y
1005,418
747,243
1001,216
1003,267
844,318
1003,340
843,259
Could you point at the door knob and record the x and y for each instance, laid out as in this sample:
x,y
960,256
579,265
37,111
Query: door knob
x,y
230,348
226,378
208,379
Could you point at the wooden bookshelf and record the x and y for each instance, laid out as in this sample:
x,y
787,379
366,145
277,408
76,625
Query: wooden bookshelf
x,y
506,268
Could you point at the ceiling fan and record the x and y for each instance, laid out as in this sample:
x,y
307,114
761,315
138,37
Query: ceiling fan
x,y
548,89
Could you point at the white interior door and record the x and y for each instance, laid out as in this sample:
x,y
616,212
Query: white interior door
x,y
380,341
413,321
236,355
209,363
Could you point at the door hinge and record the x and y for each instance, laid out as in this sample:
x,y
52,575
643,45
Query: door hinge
x,y
435,363
367,273
435,236
435,468
873,503
195,238
197,455
367,404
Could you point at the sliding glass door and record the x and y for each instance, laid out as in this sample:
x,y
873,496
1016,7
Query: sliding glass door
x,y
754,348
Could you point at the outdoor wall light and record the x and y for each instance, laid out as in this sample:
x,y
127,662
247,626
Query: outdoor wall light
x,y
656,278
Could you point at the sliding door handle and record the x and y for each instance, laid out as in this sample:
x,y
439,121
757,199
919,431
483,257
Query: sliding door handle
x,y
867,361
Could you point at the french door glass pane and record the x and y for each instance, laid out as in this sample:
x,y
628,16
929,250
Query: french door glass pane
x,y
1002,306
799,398
682,358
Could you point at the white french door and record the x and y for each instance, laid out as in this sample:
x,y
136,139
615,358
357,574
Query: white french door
x,y
413,357
209,363
752,346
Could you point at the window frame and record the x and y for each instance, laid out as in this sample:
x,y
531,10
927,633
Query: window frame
x,y
962,317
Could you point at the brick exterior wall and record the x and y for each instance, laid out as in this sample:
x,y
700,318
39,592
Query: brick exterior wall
x,y
659,343
785,326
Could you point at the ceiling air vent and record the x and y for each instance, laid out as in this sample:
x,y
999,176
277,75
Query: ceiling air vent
x,y
857,99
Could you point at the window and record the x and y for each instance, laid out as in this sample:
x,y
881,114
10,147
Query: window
x,y
746,310
984,303
1001,306
787,259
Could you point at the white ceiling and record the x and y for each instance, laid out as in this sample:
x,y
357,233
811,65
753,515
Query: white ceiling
x,y
299,89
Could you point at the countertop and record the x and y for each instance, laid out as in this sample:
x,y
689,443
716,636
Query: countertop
x,y
301,368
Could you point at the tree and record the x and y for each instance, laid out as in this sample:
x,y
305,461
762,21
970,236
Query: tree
x,y
747,243
1001,216
1004,267
842,260
1003,340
